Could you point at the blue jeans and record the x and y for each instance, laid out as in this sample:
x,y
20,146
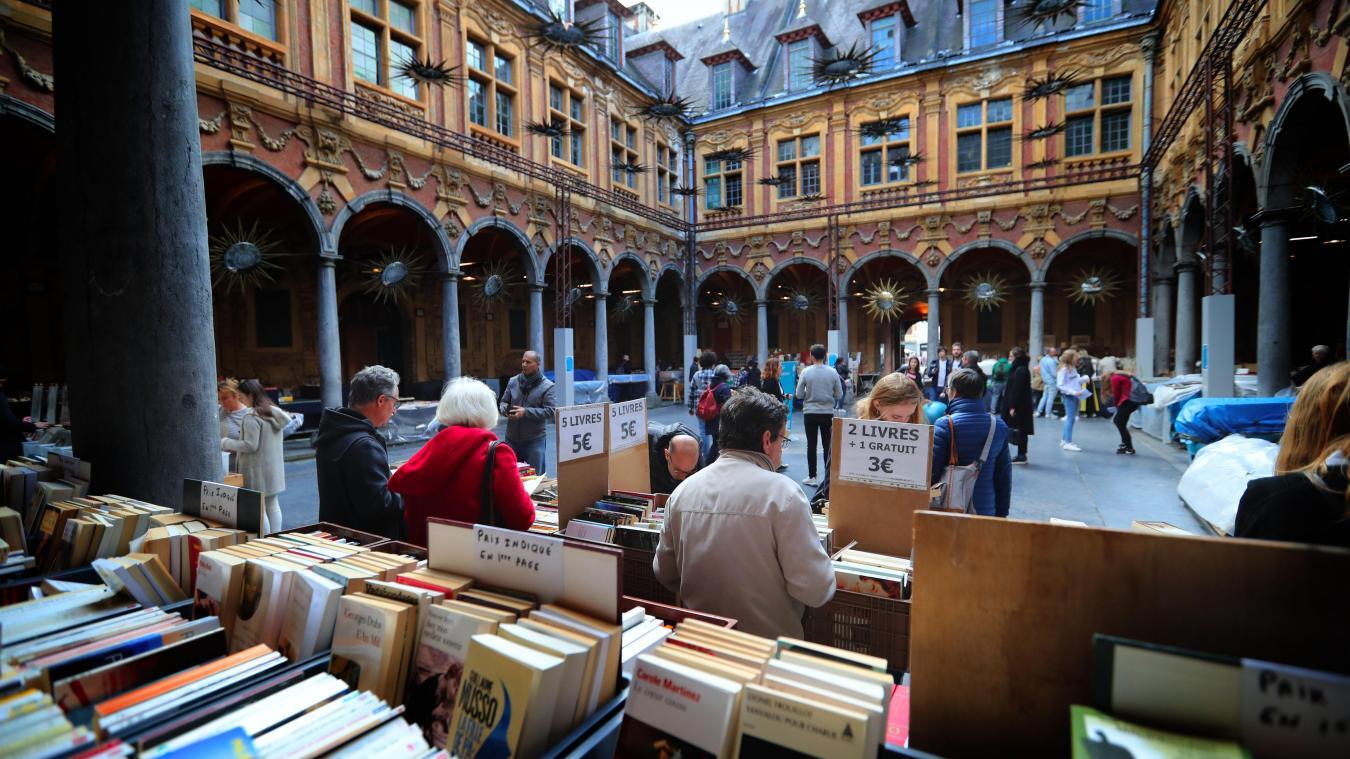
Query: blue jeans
x,y
531,451
1047,404
705,440
1070,415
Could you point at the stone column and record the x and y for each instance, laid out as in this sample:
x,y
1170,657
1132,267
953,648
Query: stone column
x,y
1274,325
649,343
843,325
450,324
602,337
762,330
537,321
330,341
1036,335
1186,308
1162,323
132,240
934,323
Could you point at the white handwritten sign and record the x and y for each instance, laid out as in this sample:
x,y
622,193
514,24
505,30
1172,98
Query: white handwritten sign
x,y
234,507
581,431
519,560
627,424
220,503
892,454
1294,712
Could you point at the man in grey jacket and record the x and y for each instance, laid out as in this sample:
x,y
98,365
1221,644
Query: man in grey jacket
x,y
528,405
820,390
738,540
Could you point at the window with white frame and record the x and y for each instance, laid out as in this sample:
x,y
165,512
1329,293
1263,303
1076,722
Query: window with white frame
x,y
885,160
491,86
384,37
721,184
567,106
984,23
885,34
722,89
798,166
984,135
1098,116
665,172
667,76
613,36
799,64
255,16
623,152
1097,10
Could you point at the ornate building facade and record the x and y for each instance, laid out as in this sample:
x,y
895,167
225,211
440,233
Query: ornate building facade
x,y
435,185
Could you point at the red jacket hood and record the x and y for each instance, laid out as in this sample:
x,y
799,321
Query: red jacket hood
x,y
428,471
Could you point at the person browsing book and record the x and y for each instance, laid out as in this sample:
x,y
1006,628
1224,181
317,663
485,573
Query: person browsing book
x,y
258,447
673,454
352,460
445,478
967,415
738,540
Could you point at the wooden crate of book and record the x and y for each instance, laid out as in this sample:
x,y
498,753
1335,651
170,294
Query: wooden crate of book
x,y
639,580
346,533
401,548
674,614
863,623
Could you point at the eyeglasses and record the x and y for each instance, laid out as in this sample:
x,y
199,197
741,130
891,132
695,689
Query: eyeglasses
x,y
393,400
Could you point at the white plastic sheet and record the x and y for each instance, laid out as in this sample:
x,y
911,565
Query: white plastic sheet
x,y
1217,478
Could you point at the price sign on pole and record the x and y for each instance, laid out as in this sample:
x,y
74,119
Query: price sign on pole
x,y
581,431
891,454
627,424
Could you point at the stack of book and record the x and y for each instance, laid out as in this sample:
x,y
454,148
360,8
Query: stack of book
x,y
30,484
712,691
824,531
623,518
179,539
641,633
872,574
74,531
14,557
141,576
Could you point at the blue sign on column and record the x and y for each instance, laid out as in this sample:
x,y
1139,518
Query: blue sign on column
x,y
569,364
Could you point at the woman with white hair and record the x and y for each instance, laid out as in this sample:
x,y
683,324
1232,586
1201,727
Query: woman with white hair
x,y
450,475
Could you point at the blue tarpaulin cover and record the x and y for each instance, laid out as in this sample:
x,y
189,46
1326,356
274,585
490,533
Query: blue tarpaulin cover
x,y
1210,419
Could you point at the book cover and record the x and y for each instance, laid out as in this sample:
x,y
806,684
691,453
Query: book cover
x,y
92,687
497,713
677,710
311,615
262,602
220,581
439,669
861,581
1096,735
366,642
775,725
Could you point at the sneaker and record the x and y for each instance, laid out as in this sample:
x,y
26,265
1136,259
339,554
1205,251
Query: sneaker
x,y
1019,459
1121,450
811,482
1069,447
1130,451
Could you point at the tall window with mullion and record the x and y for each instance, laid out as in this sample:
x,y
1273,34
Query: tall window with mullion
x,y
885,40
254,16
984,135
721,184
567,106
1098,116
984,23
613,36
623,152
491,87
799,64
384,37
723,86
885,160
1097,10
798,165
665,172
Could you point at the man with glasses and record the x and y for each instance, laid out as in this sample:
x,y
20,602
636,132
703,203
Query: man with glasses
x,y
352,460
528,405
673,455
738,540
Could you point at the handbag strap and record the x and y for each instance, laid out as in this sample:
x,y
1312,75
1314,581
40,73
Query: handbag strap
x,y
487,509
951,442
988,440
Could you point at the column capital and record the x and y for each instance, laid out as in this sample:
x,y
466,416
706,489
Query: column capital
x,y
600,295
762,303
1187,267
934,293
1271,217
535,287
328,261
843,296
1163,279
1149,44
1038,286
450,276
649,302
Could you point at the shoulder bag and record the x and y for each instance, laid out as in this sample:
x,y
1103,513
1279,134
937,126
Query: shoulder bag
x,y
958,485
487,509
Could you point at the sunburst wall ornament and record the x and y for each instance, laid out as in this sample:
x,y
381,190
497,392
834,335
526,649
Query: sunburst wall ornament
x,y
553,128
885,300
623,307
672,107
773,181
878,130
1045,132
1049,12
393,273
243,257
1092,286
841,67
1044,163
558,33
630,166
685,191
907,158
728,308
429,72
731,154
800,301
986,291
495,283
1051,84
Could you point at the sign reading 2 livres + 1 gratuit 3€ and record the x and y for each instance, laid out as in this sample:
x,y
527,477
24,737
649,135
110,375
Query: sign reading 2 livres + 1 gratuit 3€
x,y
891,454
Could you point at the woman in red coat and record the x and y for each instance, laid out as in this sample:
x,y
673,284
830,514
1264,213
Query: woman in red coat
x,y
445,478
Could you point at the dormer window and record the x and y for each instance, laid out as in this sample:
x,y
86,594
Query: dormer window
x,y
613,36
799,64
1092,11
667,75
722,90
983,23
885,34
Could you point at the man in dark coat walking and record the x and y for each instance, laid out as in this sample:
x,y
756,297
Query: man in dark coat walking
x,y
1016,406
353,462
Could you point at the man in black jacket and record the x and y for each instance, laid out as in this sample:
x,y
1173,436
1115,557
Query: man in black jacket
x,y
673,455
353,461
938,371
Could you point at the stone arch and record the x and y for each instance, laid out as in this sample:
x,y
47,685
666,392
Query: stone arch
x,y
447,261
1274,181
678,271
761,292
877,255
327,245
703,277
1092,234
10,106
648,286
597,275
1192,229
935,281
532,267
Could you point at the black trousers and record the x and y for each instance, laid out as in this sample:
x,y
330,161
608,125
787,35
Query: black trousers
x,y
1122,420
816,424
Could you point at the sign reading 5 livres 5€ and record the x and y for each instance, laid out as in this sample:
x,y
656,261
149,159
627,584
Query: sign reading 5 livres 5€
x,y
581,431
627,424
893,454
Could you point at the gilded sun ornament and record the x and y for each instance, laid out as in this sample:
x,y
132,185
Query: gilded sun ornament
x,y
495,282
986,291
728,308
243,256
392,273
1092,286
885,300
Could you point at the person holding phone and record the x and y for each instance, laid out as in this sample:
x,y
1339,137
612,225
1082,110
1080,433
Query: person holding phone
x,y
528,404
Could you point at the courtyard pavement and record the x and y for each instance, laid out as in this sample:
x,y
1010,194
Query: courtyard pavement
x,y
1096,486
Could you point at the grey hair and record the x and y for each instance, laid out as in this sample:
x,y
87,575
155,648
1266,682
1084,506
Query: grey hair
x,y
370,383
467,402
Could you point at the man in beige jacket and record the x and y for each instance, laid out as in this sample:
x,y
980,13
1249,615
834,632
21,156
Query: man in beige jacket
x,y
738,539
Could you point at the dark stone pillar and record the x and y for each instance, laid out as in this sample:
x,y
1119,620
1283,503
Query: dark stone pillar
x,y
132,236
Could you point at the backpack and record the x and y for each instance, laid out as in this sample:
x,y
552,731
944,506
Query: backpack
x,y
708,407
1139,392
958,485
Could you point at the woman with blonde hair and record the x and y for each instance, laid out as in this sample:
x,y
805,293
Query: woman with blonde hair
x,y
895,398
1307,500
261,459
1070,385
